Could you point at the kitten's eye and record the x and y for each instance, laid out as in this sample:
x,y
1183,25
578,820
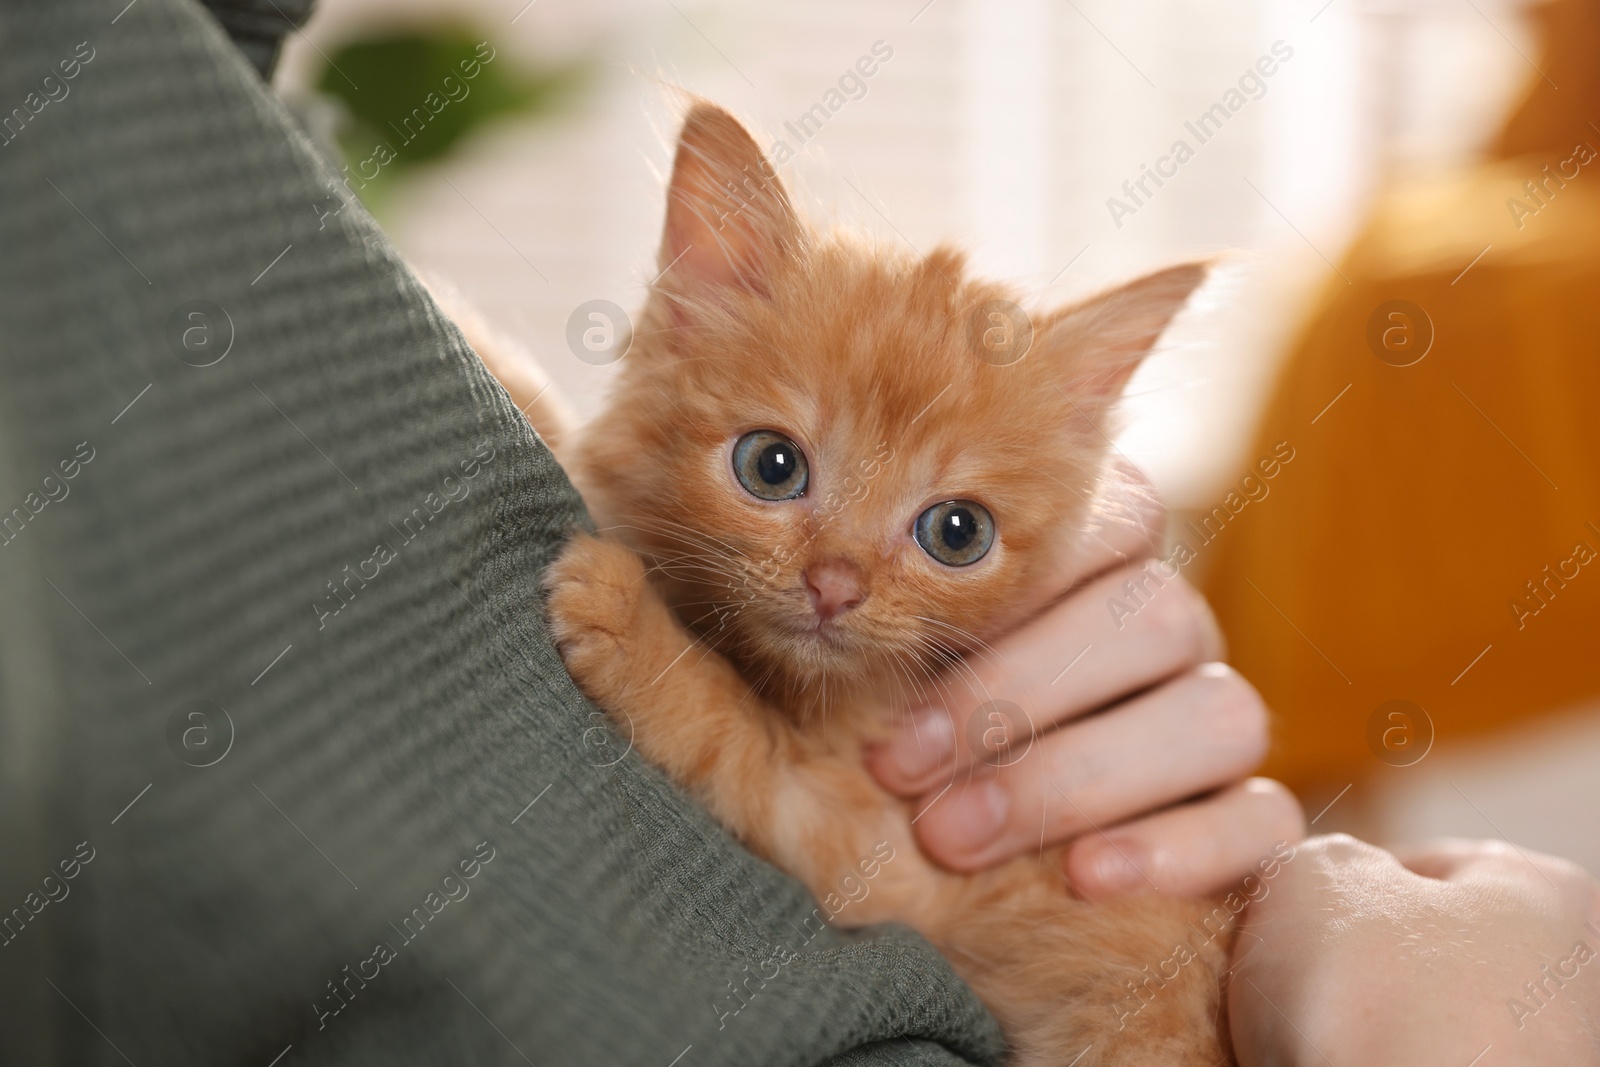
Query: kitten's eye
x,y
770,465
956,533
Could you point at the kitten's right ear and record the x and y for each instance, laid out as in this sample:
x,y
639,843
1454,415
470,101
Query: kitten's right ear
x,y
729,221
1100,342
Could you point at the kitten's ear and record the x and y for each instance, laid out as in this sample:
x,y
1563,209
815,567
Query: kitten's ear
x,y
729,221
1101,342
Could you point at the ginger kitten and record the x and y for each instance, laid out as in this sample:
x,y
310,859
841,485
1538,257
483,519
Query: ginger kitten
x,y
815,494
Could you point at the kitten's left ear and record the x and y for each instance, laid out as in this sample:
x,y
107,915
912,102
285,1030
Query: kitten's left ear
x,y
729,221
1100,342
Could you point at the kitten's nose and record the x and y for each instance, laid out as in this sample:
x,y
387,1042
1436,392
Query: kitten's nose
x,y
833,586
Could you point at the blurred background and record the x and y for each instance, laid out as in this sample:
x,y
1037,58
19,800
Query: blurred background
x,y
1409,586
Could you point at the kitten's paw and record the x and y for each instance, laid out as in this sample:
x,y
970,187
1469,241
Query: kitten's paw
x,y
594,593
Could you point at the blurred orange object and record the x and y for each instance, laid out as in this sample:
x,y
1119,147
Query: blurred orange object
x,y
1437,537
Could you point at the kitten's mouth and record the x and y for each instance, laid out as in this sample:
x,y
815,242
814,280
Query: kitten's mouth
x,y
828,631
810,633
793,637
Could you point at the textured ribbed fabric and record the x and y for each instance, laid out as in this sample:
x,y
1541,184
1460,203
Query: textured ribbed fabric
x,y
313,566
258,27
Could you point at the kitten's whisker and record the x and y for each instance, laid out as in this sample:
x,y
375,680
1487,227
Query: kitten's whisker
x,y
955,665
935,679
975,643
690,563
961,664
667,528
905,662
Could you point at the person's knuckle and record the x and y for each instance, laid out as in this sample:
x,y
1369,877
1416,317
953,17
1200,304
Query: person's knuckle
x,y
1129,540
1213,643
1285,818
1235,715
1337,849
1502,852
1179,618
1137,501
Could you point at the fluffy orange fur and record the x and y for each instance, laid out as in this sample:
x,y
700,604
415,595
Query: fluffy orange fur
x,y
688,618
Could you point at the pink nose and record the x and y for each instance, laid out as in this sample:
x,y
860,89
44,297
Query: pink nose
x,y
833,586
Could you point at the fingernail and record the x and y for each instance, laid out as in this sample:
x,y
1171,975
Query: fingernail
x,y
924,744
967,823
1118,868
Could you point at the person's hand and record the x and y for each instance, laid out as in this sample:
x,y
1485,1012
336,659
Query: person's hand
x,y
1456,953
1151,791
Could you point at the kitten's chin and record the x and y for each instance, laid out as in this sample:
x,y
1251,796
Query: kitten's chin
x,y
810,650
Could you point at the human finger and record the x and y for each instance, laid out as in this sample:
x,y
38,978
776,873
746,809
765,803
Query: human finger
x,y
1211,730
1246,830
1077,657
